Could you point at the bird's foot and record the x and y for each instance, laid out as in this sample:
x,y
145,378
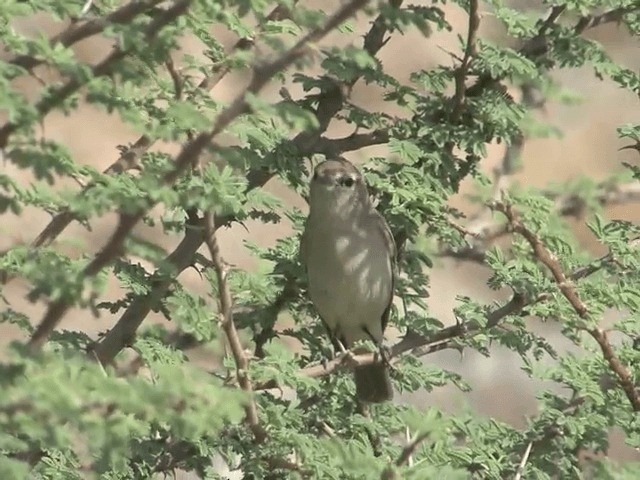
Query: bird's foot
x,y
385,356
341,348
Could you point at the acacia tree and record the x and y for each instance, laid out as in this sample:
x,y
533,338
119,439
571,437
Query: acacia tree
x,y
77,406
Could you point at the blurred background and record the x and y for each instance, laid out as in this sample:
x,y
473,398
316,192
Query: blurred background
x,y
588,146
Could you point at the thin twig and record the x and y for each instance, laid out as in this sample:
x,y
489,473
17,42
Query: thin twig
x,y
523,462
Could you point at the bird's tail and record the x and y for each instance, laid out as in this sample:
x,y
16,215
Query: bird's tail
x,y
373,384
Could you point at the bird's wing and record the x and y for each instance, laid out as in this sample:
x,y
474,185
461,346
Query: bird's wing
x,y
385,231
304,244
303,252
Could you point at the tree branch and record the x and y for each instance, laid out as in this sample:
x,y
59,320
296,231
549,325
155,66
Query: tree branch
x,y
469,53
122,334
229,328
537,45
306,143
569,291
188,156
487,229
105,67
591,21
76,32
389,473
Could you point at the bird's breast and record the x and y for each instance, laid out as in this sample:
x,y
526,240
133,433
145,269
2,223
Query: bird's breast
x,y
350,275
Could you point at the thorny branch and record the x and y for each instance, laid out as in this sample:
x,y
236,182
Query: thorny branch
x,y
487,229
409,449
568,289
262,73
389,473
547,433
240,356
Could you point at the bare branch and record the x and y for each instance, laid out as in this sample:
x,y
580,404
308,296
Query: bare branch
x,y
355,141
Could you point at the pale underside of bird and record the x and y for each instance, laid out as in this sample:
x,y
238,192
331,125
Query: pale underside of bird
x,y
349,254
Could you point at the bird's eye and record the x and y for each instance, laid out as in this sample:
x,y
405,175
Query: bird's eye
x,y
347,181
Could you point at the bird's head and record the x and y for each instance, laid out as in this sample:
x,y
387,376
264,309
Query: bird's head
x,y
337,187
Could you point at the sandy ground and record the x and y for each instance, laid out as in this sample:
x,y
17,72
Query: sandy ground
x,y
589,147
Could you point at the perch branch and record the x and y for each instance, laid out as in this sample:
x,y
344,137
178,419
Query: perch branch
x,y
420,345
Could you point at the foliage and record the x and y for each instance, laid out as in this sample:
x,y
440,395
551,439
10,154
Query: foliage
x,y
131,403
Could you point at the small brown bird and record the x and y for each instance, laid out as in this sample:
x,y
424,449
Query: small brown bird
x,y
349,253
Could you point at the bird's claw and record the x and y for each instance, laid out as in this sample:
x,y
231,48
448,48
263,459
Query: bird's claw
x,y
385,356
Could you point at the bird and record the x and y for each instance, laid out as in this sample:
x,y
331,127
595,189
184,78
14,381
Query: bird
x,y
350,257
